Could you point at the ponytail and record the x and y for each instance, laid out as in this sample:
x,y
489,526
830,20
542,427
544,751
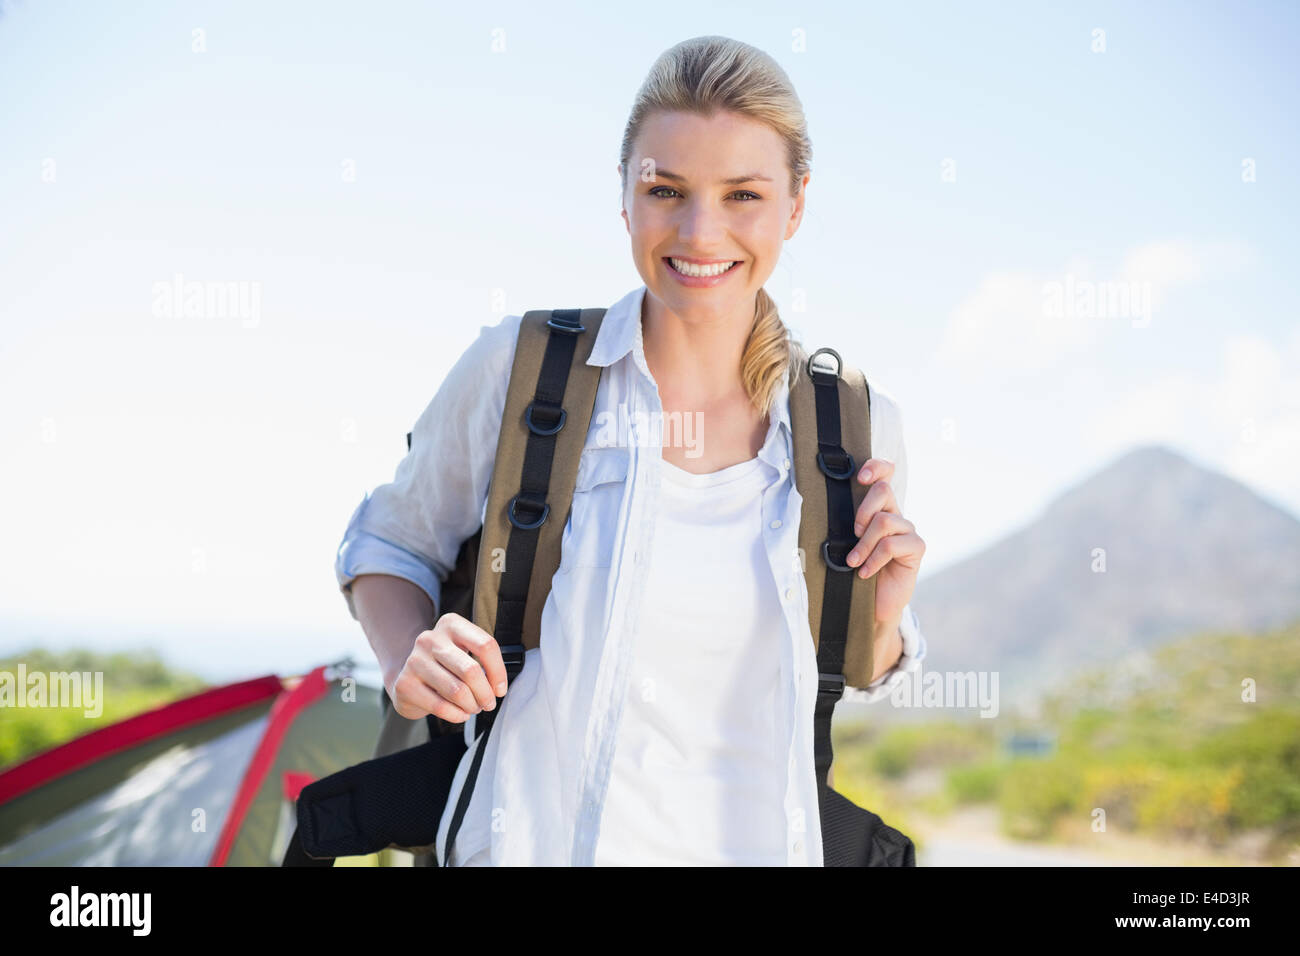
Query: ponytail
x,y
769,355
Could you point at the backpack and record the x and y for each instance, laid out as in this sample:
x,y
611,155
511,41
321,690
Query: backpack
x,y
398,798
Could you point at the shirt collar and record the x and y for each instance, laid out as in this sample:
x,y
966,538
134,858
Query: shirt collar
x,y
620,333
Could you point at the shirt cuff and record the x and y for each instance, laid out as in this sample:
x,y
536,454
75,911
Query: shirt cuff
x,y
909,629
365,553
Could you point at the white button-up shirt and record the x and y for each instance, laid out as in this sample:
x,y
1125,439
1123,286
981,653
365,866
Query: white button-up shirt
x,y
545,772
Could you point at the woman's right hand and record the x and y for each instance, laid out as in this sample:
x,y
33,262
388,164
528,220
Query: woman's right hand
x,y
440,676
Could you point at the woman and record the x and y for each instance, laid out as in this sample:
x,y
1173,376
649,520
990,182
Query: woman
x,y
666,717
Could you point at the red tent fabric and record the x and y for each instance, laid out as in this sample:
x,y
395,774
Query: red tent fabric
x,y
207,780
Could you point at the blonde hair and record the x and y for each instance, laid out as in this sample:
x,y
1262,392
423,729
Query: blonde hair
x,y
709,74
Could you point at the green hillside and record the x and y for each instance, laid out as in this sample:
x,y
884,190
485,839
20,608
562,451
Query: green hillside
x,y
1165,745
132,683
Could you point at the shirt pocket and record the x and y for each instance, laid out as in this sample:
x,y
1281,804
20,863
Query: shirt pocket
x,y
593,524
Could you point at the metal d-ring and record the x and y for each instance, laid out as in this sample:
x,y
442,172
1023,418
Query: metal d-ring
x,y
839,362
826,555
538,429
519,522
839,474
566,325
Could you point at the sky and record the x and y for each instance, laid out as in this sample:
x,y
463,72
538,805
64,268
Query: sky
x,y
380,181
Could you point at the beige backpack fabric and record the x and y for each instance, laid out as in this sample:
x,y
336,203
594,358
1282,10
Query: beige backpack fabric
x,y
472,589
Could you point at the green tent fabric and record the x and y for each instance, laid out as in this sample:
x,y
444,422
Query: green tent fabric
x,y
209,780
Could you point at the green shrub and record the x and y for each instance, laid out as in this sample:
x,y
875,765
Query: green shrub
x,y
1035,793
901,749
977,782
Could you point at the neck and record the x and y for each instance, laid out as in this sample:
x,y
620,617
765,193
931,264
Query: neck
x,y
699,360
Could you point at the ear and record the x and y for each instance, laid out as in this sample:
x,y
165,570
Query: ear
x,y
622,201
796,213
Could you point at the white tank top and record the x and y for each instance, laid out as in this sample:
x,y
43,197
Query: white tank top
x,y
699,770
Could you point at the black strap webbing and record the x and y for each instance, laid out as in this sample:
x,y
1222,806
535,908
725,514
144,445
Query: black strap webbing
x,y
840,469
528,511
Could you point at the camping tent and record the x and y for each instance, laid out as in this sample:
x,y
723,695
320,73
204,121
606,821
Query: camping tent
x,y
211,779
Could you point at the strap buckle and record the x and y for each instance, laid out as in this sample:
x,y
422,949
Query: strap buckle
x,y
567,321
541,509
839,457
513,657
830,684
550,428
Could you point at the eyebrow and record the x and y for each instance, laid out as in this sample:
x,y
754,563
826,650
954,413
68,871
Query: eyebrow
x,y
733,181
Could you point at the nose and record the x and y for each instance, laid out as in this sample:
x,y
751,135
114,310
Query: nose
x,y
701,225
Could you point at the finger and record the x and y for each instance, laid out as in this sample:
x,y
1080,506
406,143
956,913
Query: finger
x,y
882,524
445,682
485,649
874,469
893,547
459,663
879,497
412,698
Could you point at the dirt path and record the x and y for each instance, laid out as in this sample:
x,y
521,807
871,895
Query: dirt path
x,y
970,837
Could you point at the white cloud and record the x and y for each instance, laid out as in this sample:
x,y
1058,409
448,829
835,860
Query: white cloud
x,y
1017,321
1173,261
1246,419
1002,325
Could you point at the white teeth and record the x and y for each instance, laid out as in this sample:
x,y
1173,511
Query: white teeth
x,y
690,269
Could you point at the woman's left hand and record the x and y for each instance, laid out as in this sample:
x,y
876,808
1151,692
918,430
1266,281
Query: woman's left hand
x,y
888,545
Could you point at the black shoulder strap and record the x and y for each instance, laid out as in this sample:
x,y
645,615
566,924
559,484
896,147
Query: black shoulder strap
x,y
830,418
840,471
844,627
530,507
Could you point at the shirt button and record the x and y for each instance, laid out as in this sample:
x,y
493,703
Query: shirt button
x,y
789,593
787,463
798,846
776,523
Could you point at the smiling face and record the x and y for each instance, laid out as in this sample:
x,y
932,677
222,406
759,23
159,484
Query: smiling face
x,y
703,193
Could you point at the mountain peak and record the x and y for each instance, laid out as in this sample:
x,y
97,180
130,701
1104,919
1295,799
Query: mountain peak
x,y
1151,547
